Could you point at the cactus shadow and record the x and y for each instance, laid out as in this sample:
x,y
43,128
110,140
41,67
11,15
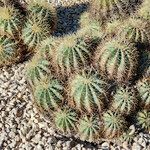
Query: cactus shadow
x,y
68,18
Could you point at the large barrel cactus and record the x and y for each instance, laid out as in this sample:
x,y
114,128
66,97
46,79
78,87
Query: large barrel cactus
x,y
115,58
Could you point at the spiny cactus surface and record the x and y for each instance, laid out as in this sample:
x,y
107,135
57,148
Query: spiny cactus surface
x,y
65,120
88,91
116,59
72,54
143,87
48,93
10,20
8,50
124,101
114,124
89,128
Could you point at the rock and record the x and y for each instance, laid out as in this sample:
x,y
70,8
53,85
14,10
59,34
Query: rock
x,y
136,146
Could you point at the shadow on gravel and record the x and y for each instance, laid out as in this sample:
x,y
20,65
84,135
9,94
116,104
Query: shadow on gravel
x,y
68,18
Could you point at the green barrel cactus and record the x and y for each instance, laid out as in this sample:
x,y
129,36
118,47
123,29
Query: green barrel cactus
x,y
72,54
89,128
8,50
88,91
36,69
104,10
47,47
48,93
114,124
143,118
144,11
44,10
124,100
136,29
65,120
143,87
115,59
36,30
11,20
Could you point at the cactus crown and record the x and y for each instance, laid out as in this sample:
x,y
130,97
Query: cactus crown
x,y
89,128
124,100
37,68
65,120
88,90
114,124
48,93
116,60
35,31
72,54
10,20
143,87
8,50
143,118
136,30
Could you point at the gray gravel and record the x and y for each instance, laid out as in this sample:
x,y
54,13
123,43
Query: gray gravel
x,y
22,127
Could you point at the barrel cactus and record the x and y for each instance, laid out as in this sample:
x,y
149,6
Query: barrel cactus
x,y
143,87
108,9
11,20
48,93
65,120
44,10
89,128
72,54
36,69
143,119
124,100
114,124
136,29
8,50
115,59
36,30
88,91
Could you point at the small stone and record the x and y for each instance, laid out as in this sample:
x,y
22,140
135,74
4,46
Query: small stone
x,y
136,146
105,145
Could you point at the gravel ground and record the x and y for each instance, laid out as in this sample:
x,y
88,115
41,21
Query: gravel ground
x,y
21,125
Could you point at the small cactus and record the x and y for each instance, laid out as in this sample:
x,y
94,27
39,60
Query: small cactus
x,y
89,128
10,20
143,87
108,9
136,30
44,10
36,69
65,120
115,59
124,100
8,50
88,90
72,54
48,93
143,118
114,124
36,30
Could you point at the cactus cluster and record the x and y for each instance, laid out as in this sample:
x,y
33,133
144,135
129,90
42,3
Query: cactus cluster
x,y
27,26
90,82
